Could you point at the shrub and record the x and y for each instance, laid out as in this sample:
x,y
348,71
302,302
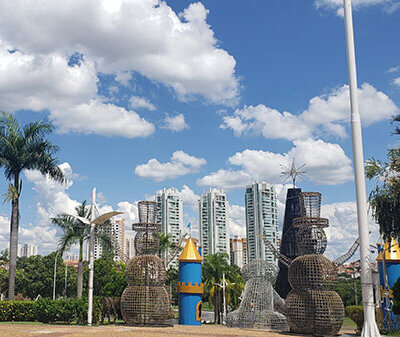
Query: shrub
x,y
17,310
356,313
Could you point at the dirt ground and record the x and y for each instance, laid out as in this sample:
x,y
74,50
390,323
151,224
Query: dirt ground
x,y
35,330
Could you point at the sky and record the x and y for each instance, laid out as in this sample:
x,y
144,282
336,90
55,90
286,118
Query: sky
x,y
148,94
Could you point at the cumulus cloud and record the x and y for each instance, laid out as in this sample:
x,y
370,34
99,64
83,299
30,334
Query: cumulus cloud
x,y
103,119
343,228
237,221
396,81
327,164
52,196
178,50
189,197
389,6
175,123
326,114
69,92
181,164
141,102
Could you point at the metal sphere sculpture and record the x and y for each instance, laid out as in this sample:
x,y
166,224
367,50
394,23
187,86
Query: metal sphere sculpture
x,y
311,308
145,300
261,305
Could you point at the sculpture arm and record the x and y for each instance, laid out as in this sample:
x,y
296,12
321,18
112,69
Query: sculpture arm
x,y
342,259
284,259
279,303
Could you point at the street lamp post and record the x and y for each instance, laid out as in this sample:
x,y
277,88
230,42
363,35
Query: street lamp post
x,y
55,276
370,328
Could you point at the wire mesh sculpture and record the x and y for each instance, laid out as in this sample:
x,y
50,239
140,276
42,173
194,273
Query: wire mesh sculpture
x,y
145,300
311,308
261,306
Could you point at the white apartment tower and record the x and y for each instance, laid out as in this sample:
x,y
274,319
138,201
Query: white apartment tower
x,y
116,231
170,214
261,219
213,222
27,250
129,248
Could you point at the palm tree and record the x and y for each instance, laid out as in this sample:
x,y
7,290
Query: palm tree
x,y
76,232
165,243
215,265
21,149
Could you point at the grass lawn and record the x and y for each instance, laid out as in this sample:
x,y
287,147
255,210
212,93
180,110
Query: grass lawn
x,y
348,324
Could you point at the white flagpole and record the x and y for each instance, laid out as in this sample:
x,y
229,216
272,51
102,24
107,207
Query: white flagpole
x,y
370,328
91,258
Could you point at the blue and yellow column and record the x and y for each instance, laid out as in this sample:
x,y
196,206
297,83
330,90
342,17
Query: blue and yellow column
x,y
392,258
190,287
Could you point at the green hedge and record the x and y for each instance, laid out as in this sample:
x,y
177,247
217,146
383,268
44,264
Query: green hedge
x,y
17,310
49,311
356,313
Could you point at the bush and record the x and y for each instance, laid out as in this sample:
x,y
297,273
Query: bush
x,y
75,310
356,313
17,311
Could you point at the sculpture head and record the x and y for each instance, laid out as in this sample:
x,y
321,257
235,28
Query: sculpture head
x,y
311,240
262,269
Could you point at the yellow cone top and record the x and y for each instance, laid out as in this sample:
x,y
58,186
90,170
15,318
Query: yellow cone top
x,y
190,253
392,253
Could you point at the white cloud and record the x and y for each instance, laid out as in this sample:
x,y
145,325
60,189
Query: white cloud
x,y
343,228
394,69
326,114
337,5
52,196
123,77
141,102
103,119
397,81
189,197
181,164
326,164
237,221
175,123
147,36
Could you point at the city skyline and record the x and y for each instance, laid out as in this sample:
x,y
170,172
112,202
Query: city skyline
x,y
206,94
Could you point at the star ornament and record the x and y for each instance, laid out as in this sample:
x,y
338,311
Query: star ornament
x,y
293,172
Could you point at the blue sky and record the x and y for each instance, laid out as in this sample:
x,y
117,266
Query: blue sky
x,y
147,94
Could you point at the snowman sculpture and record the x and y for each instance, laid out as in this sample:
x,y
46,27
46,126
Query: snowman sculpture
x,y
311,307
145,301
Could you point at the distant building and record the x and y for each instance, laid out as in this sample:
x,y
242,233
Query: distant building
x,y
238,250
213,222
261,219
170,216
129,248
27,250
116,231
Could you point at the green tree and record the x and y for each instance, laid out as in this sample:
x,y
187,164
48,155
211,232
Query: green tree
x,y
165,243
36,276
214,266
384,199
21,149
172,283
76,232
109,277
5,255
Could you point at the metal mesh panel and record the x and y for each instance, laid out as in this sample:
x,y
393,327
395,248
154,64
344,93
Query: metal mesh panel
x,y
311,240
145,300
310,204
257,308
145,304
145,270
314,312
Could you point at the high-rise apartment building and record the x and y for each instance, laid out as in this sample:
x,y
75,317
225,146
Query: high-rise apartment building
x,y
170,216
213,222
116,231
238,250
129,248
261,219
27,250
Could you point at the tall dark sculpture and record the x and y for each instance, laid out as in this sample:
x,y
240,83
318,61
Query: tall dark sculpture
x,y
288,242
145,300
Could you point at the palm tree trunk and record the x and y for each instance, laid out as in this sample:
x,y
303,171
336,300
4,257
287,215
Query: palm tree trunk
x,y
14,226
79,282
